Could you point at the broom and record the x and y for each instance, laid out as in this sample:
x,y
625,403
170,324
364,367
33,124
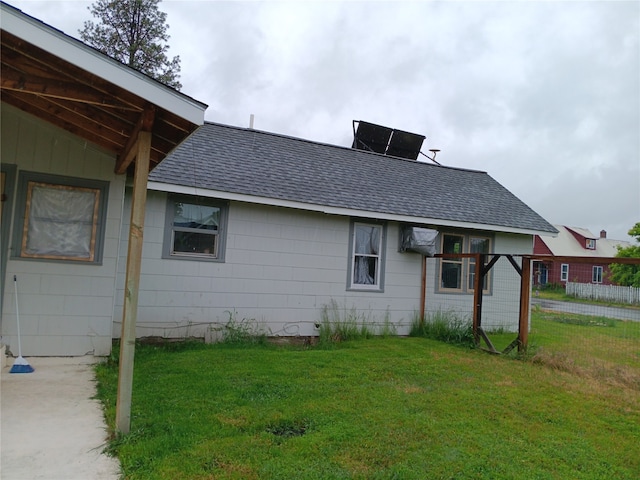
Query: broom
x,y
20,365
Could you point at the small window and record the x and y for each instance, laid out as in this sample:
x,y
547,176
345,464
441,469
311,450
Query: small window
x,y
63,218
564,272
451,268
458,274
591,244
596,276
195,228
366,257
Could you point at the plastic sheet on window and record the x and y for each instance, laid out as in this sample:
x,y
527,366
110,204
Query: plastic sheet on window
x,y
419,240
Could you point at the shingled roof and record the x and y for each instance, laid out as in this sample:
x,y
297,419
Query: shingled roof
x,y
229,162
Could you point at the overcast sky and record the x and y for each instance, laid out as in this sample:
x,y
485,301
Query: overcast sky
x,y
544,96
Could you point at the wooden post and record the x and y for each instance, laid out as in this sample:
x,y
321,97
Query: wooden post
x,y
132,283
477,297
525,294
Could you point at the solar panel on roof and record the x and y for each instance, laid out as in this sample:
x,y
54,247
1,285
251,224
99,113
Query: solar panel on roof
x,y
372,137
405,145
387,141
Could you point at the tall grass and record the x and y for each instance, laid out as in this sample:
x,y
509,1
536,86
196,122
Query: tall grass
x,y
449,327
341,324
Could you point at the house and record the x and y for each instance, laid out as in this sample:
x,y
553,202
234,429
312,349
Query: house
x,y
74,125
574,242
266,230
241,227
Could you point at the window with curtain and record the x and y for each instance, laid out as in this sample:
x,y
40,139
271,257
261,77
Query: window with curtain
x,y
63,219
195,228
366,257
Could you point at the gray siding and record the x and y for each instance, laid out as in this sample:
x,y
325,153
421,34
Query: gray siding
x,y
281,267
65,308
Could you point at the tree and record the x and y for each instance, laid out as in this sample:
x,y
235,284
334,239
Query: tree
x,y
133,32
628,275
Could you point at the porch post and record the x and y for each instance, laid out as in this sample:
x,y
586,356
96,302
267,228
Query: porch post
x,y
525,298
132,283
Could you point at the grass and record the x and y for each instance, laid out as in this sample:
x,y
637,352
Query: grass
x,y
382,408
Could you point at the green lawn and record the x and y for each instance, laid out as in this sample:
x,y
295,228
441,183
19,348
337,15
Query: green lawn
x,y
388,408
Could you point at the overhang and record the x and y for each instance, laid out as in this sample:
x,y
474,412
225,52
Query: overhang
x,y
61,80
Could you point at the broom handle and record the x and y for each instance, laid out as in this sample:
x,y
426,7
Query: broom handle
x,y
15,290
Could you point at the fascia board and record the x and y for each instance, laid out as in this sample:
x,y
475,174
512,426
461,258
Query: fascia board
x,y
238,197
83,56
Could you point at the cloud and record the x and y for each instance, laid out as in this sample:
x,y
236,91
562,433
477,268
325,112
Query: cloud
x,y
545,96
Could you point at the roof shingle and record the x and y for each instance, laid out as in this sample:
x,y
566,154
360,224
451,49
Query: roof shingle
x,y
252,162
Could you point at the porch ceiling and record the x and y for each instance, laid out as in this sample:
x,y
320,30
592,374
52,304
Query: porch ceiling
x,y
85,104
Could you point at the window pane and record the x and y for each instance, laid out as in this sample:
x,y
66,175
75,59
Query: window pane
x,y
60,221
367,240
452,244
196,216
479,245
364,270
451,275
193,242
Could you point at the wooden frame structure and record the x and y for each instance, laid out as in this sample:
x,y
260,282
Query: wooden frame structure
x,y
524,270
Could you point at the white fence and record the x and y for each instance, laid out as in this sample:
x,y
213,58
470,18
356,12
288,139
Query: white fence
x,y
610,293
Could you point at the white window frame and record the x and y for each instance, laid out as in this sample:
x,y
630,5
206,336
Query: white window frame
x,y
591,244
215,253
29,223
564,272
596,274
378,258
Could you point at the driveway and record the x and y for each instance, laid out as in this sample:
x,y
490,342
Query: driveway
x,y
50,426
588,309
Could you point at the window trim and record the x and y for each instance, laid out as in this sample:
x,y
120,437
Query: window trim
x,y
564,272
26,181
596,278
221,234
379,287
466,263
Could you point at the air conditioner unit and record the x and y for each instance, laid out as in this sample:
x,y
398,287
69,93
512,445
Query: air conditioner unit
x,y
419,240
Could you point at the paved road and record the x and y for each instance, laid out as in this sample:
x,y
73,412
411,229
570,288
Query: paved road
x,y
588,309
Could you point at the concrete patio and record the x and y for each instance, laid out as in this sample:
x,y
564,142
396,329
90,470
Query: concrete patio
x,y
50,426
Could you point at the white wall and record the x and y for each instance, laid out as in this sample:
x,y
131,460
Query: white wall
x,y
281,267
65,308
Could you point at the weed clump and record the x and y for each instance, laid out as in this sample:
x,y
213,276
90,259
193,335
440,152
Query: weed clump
x,y
449,327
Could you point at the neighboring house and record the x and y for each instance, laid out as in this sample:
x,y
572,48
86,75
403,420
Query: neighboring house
x,y
74,122
267,229
574,242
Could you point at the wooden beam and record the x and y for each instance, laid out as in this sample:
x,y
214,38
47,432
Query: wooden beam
x,y
145,124
132,283
13,80
525,299
477,297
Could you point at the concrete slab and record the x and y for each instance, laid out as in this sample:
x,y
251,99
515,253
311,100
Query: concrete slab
x,y
50,426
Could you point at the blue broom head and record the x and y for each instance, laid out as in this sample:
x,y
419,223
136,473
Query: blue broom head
x,y
21,366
